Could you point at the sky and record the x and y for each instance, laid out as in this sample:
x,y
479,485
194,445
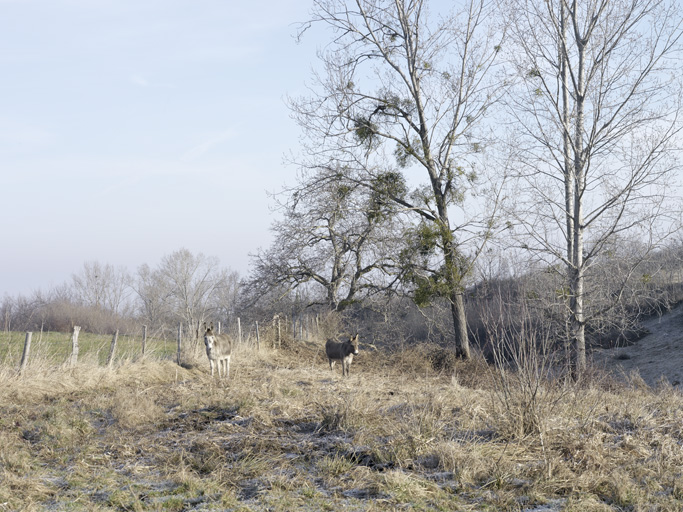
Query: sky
x,y
130,129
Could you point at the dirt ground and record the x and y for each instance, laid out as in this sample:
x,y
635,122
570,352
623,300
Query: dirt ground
x,y
656,355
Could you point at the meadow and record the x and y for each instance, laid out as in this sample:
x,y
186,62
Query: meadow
x,y
54,348
409,430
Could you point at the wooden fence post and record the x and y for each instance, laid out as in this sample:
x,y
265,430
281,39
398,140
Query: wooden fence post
x,y
74,345
258,339
180,337
144,339
279,333
112,349
24,355
239,330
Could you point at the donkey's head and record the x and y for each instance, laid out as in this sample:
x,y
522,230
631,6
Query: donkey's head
x,y
209,337
354,343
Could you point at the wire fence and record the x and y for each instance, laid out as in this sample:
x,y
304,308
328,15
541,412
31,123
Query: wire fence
x,y
18,349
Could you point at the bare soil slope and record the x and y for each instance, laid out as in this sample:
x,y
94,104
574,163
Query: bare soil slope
x,y
657,355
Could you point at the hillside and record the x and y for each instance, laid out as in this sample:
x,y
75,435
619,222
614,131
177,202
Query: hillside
x,y
657,355
286,433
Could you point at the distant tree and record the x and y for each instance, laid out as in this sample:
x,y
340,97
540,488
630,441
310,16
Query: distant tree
x,y
102,286
189,284
597,120
153,294
226,297
403,95
7,312
23,312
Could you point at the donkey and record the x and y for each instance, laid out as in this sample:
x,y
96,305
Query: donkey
x,y
343,352
218,348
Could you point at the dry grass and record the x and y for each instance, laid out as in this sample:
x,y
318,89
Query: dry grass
x,y
416,430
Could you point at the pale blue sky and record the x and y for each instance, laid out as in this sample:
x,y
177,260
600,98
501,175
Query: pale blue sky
x,y
133,128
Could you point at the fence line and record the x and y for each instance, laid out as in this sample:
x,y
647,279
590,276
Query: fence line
x,y
303,327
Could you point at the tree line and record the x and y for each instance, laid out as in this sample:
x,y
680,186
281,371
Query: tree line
x,y
183,288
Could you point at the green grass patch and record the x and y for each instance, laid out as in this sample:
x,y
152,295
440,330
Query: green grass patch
x,y
55,348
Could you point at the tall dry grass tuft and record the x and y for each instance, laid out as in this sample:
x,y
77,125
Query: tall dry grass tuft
x,y
428,360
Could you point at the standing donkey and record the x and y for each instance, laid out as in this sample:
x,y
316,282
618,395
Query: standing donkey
x,y
218,348
343,352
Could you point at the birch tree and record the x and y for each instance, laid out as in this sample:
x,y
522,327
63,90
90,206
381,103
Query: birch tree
x,y
403,95
596,125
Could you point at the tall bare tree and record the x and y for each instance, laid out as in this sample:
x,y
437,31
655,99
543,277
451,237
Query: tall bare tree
x,y
596,121
401,96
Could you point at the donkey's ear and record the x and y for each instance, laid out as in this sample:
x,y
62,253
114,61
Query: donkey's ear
x,y
211,326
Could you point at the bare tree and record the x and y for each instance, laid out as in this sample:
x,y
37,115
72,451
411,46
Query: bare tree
x,y
153,293
102,286
190,283
226,296
402,95
596,118
334,234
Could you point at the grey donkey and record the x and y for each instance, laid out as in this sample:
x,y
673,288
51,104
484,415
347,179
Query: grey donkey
x,y
218,348
343,352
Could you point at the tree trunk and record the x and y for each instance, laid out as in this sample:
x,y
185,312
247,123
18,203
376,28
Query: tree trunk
x,y
569,184
454,280
462,343
577,264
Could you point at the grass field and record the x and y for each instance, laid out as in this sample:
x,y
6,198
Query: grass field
x,y
55,347
286,433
